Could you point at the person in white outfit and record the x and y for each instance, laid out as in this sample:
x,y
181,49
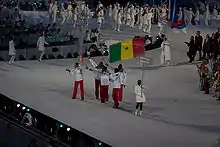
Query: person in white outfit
x,y
214,16
165,52
54,12
197,16
78,80
100,14
119,17
180,15
40,45
190,16
162,19
207,13
69,11
12,51
140,97
133,13
186,16
114,16
128,16
75,14
148,22
141,17
63,13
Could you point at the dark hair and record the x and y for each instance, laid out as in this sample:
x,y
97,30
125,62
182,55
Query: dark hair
x,y
116,70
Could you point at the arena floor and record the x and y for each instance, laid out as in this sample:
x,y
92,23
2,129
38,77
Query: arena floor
x,y
176,113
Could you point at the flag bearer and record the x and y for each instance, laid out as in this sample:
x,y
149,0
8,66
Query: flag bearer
x,y
78,80
122,81
115,78
140,97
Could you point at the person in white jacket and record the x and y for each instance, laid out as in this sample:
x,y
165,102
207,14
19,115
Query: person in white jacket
x,y
69,11
197,17
114,16
40,45
140,97
122,75
100,17
141,18
12,51
165,52
128,16
97,72
148,21
207,15
78,80
104,84
75,15
63,13
54,12
119,20
132,14
115,78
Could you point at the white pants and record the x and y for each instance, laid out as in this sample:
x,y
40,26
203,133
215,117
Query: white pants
x,y
41,55
128,22
54,16
63,18
69,16
12,59
118,27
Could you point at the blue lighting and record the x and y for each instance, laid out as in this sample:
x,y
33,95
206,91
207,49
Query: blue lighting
x,y
28,110
100,143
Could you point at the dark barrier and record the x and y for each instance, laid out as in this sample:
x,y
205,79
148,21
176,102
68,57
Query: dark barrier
x,y
51,131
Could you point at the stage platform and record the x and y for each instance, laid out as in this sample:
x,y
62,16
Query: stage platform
x,y
176,113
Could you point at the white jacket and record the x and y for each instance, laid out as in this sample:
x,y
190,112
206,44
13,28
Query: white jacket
x,y
40,43
122,77
116,80
166,53
140,98
12,51
77,73
104,79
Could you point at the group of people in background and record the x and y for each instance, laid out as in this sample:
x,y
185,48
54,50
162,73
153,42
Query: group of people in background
x,y
209,69
104,77
207,48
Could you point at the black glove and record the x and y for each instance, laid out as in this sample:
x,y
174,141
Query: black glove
x,y
68,70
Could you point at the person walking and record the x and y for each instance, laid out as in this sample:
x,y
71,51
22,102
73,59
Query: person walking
x,y
78,80
40,45
115,78
140,97
12,51
122,75
104,85
192,51
165,53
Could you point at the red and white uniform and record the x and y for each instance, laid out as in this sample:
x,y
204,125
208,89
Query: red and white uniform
x,y
116,88
122,82
97,73
78,80
104,87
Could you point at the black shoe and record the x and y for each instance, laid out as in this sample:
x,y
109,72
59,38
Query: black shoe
x,y
206,92
116,107
73,98
82,98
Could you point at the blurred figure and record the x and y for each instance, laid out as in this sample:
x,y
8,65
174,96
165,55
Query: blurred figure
x,y
115,78
122,75
198,44
206,47
12,51
165,53
192,51
40,45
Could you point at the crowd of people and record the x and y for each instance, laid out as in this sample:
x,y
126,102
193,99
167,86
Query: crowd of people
x,y
209,69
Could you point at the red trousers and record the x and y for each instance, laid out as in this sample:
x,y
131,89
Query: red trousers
x,y
121,92
76,84
115,95
104,93
97,86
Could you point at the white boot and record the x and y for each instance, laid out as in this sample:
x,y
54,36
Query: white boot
x,y
136,112
140,113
